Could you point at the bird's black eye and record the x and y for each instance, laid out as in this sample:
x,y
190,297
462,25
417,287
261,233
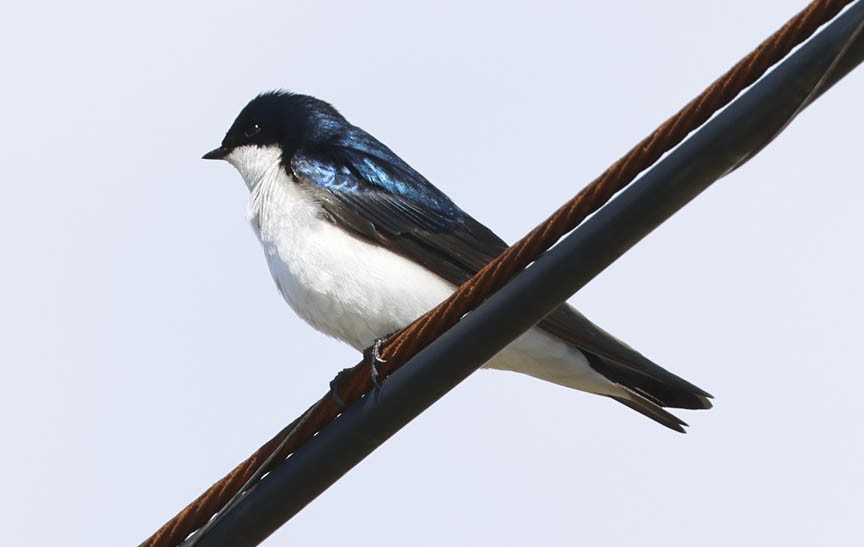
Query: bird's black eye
x,y
252,130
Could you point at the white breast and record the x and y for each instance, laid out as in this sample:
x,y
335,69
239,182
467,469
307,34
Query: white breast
x,y
340,284
357,292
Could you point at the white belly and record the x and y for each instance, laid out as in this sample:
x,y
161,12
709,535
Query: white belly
x,y
345,287
357,292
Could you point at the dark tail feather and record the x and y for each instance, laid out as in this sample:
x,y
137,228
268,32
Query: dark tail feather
x,y
653,383
622,364
653,411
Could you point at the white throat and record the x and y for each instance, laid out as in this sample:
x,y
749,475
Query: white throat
x,y
255,163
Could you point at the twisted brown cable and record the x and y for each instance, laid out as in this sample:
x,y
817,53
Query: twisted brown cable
x,y
494,275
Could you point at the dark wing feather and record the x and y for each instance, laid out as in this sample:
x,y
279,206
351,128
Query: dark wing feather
x,y
358,192
621,363
366,188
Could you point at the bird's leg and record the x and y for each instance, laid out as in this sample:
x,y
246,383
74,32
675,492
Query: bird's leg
x,y
372,354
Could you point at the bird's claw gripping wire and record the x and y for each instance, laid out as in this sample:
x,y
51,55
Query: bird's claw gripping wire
x,y
373,356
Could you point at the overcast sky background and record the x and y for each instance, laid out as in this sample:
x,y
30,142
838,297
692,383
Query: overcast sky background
x,y
146,351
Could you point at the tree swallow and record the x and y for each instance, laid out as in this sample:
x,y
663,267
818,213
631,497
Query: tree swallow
x,y
360,245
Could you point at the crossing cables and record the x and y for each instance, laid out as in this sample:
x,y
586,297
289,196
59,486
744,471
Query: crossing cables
x,y
315,450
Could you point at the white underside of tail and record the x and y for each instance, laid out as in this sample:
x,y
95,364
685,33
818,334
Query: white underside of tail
x,y
357,292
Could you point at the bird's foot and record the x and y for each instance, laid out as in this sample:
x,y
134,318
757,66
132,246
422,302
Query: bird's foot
x,y
372,354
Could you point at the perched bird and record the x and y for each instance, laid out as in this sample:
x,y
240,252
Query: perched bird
x,y
360,244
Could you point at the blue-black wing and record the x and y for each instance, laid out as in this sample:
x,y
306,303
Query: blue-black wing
x,y
365,188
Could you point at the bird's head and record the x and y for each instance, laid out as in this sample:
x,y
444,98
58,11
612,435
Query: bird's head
x,y
272,127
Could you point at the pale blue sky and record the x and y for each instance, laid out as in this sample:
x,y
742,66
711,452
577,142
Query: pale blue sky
x,y
146,350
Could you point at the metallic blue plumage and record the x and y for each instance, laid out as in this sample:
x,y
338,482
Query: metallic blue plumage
x,y
330,153
374,167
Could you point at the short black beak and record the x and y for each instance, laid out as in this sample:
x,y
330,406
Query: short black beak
x,y
216,154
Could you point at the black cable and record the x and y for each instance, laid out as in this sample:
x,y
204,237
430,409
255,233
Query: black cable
x,y
722,145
